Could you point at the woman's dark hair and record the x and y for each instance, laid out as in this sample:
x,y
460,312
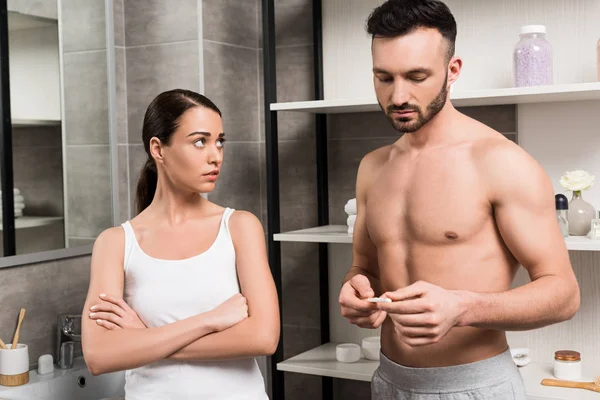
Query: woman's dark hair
x,y
401,17
161,121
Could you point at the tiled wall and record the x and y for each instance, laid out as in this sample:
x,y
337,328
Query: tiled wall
x,y
157,49
191,44
45,290
87,158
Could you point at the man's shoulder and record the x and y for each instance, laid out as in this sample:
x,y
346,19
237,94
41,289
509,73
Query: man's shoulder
x,y
376,158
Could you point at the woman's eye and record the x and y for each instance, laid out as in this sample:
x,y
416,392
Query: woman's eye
x,y
200,143
220,143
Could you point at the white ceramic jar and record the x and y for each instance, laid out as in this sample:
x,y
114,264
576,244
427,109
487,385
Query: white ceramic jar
x,y
567,365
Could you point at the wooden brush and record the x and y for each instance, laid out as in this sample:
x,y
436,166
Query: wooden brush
x,y
593,386
2,345
16,337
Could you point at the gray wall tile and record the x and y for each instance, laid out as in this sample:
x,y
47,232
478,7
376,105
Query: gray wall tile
x,y
231,21
238,185
231,82
360,126
293,22
88,190
300,280
83,25
123,162
119,22
298,184
137,158
45,290
297,340
295,83
154,69
346,389
86,98
159,21
344,159
121,93
501,118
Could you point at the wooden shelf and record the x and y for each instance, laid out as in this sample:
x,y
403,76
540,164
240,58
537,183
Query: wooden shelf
x,y
339,234
34,122
34,222
321,361
523,95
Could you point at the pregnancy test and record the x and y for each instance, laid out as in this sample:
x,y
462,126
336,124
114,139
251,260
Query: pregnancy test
x,y
379,300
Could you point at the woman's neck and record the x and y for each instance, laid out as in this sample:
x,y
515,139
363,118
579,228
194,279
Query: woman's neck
x,y
176,204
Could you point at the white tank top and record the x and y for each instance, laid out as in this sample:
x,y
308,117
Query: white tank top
x,y
165,291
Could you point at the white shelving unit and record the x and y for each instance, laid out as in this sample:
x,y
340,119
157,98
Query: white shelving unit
x,y
339,234
321,361
34,222
525,95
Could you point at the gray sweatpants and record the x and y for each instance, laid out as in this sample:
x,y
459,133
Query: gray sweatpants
x,y
495,378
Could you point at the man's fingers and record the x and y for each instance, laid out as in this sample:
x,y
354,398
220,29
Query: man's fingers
x,y
412,306
348,299
348,312
362,285
418,332
417,289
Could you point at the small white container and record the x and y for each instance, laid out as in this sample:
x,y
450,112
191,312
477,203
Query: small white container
x,y
347,352
567,365
14,366
371,347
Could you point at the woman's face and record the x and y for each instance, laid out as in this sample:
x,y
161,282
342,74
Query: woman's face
x,y
192,160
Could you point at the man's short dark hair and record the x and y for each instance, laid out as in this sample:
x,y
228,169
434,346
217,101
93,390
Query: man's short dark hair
x,y
401,17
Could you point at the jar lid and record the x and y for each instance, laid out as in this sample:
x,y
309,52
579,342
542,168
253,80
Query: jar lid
x,y
567,355
532,29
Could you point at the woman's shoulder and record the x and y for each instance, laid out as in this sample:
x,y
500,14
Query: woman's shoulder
x,y
110,238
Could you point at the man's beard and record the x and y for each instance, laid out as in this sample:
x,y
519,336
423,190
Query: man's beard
x,y
408,125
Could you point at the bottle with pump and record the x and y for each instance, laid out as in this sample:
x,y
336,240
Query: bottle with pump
x,y
562,208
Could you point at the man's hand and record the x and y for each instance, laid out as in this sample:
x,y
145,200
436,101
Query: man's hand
x,y
423,313
113,313
355,308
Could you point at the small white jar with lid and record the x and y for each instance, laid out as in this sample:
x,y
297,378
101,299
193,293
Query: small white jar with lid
x,y
567,365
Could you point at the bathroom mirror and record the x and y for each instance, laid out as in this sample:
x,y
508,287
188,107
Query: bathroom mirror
x,y
62,133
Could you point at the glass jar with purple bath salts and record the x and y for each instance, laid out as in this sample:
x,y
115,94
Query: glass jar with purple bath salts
x,y
533,57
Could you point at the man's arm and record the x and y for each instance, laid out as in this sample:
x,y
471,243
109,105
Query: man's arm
x,y
259,333
364,252
522,197
362,281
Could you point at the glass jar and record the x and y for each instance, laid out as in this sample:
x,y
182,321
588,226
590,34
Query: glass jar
x,y
532,57
567,365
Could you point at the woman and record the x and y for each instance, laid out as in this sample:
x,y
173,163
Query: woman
x,y
164,300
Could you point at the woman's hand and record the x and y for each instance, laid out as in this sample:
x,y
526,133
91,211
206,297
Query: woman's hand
x,y
113,313
229,313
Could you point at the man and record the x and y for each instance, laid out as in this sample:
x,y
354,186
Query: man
x,y
445,216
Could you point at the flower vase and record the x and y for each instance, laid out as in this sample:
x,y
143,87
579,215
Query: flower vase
x,y
581,213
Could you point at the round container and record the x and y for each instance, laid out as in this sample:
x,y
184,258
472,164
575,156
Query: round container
x,y
567,365
14,366
347,352
371,347
532,57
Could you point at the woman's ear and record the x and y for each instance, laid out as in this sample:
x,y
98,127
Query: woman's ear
x,y
156,149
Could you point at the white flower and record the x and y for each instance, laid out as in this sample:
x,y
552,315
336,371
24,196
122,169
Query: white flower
x,y
577,180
